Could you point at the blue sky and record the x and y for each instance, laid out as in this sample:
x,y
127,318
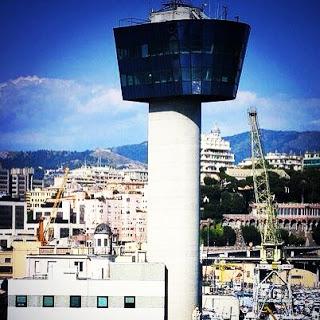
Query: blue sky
x,y
59,85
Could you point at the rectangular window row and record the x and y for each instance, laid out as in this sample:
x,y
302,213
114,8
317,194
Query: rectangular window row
x,y
167,76
75,301
173,46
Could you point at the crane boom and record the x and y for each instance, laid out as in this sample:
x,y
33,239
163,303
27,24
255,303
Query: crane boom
x,y
46,233
264,200
272,273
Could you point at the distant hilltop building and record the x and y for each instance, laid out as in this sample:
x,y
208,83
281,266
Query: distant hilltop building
x,y
279,161
215,154
311,160
288,161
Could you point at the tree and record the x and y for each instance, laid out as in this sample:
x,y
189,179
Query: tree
x,y
208,181
218,235
251,234
294,240
284,235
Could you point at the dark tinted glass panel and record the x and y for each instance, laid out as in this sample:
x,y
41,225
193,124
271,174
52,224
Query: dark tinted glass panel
x,y
19,223
5,269
21,301
129,302
5,217
48,301
190,53
64,232
75,301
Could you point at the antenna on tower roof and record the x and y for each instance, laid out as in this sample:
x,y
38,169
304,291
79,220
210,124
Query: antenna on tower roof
x,y
174,4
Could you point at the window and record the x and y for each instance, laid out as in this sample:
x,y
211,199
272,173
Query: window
x,y
144,51
99,242
5,269
48,301
129,302
105,242
21,301
7,260
79,265
102,302
75,301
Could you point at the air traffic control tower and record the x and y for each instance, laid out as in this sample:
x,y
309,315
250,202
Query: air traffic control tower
x,y
175,61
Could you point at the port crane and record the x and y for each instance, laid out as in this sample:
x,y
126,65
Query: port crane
x,y
46,233
272,288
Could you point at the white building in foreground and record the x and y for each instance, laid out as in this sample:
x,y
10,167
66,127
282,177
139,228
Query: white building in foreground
x,y
215,154
132,291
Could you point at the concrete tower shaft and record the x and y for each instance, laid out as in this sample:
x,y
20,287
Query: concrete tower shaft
x,y
173,200
174,63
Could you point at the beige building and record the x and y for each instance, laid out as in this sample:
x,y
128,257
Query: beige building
x,y
13,262
35,198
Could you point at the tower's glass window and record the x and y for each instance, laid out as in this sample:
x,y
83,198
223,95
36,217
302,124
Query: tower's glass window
x,y
144,51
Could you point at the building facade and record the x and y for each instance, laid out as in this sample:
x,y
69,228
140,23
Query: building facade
x,y
13,221
294,217
215,154
311,160
125,291
21,182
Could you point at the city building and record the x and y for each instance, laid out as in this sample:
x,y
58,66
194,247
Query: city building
x,y
20,182
278,161
311,160
176,61
285,161
13,261
37,197
4,181
123,291
294,217
13,222
242,173
215,154
127,217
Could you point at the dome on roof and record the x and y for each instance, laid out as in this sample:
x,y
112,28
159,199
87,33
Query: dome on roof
x,y
103,228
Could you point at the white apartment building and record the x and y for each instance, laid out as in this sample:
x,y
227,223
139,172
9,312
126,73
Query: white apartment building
x,y
215,154
285,161
279,161
124,291
311,160
88,177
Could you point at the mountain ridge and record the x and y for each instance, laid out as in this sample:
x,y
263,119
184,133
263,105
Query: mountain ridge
x,y
136,154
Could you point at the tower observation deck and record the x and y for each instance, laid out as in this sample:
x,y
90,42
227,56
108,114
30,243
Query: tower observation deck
x,y
174,62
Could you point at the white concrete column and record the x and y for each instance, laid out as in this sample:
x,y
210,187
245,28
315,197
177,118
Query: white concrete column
x,y
173,200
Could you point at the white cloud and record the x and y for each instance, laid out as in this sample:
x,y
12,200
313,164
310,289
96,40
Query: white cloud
x,y
279,112
57,113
